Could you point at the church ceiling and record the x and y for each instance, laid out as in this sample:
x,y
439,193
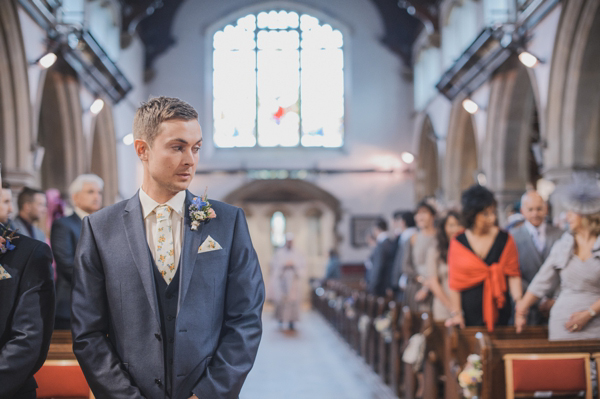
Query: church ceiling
x,y
153,20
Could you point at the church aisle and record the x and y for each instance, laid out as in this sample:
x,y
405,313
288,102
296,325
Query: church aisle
x,y
313,363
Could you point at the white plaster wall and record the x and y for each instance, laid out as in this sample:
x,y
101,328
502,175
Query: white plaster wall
x,y
378,110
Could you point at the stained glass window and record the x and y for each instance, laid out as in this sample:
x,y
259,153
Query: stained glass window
x,y
278,80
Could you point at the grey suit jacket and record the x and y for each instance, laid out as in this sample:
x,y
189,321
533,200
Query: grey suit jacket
x,y
530,259
115,317
22,230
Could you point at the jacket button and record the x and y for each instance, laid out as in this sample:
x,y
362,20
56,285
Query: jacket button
x,y
158,337
158,382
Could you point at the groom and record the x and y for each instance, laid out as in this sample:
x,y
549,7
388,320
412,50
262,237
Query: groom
x,y
166,301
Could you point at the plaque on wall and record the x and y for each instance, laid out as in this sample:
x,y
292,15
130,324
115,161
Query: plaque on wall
x,y
360,226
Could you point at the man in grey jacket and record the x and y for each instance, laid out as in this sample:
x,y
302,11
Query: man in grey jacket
x,y
168,292
534,239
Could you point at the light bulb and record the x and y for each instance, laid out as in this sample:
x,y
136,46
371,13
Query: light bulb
x,y
470,106
528,59
97,106
48,60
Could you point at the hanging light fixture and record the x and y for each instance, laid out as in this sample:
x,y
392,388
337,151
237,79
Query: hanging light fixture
x,y
128,139
97,106
407,157
528,59
470,106
47,60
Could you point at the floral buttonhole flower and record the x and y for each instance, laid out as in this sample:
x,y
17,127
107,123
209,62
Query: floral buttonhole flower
x,y
6,239
201,211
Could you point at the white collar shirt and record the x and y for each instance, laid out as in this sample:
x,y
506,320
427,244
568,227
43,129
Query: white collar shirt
x,y
177,204
80,212
538,234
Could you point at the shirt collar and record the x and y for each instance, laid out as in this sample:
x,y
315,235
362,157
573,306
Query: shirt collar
x,y
382,236
540,230
148,204
80,212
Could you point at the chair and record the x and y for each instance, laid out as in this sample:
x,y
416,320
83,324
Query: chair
x,y
557,374
62,379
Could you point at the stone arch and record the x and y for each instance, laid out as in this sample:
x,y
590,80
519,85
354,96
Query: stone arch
x,y
104,153
427,177
461,161
512,157
301,202
573,121
15,107
60,130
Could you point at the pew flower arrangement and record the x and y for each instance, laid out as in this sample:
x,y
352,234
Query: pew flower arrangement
x,y
470,378
349,308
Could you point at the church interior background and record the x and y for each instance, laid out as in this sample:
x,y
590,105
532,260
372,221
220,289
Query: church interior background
x,y
315,115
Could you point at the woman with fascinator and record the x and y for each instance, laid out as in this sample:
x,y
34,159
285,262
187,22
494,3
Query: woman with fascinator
x,y
574,265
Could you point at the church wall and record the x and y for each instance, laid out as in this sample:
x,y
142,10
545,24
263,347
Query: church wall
x,y
377,120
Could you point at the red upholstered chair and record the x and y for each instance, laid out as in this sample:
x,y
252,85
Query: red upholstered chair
x,y
558,374
62,379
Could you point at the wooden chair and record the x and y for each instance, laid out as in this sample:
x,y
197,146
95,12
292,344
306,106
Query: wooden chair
x,y
548,374
62,379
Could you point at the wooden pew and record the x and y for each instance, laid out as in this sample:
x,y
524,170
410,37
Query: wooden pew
x,y
384,346
413,323
373,342
433,366
460,343
492,351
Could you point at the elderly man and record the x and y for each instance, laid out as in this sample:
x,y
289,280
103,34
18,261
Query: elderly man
x,y
32,208
6,206
86,197
534,239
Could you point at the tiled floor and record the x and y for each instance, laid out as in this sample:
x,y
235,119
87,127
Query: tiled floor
x,y
314,363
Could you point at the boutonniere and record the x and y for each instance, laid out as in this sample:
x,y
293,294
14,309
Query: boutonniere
x,y
6,240
201,210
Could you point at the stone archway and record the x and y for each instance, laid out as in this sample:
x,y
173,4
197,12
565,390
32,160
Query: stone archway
x,y
573,119
427,177
15,107
512,154
461,161
60,131
104,153
312,215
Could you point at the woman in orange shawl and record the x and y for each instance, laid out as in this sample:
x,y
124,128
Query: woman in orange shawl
x,y
483,265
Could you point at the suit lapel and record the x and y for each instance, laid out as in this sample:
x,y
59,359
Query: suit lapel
x,y
138,244
191,241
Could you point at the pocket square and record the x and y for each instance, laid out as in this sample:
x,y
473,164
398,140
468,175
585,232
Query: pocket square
x,y
4,275
209,245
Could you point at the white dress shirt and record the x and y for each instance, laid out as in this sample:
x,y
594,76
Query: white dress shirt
x,y
80,212
177,204
538,234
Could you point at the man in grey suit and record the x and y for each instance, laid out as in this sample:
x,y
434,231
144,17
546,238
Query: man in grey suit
x,y
534,239
168,291
86,197
32,207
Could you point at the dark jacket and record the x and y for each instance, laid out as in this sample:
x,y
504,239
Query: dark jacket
x,y
26,315
64,239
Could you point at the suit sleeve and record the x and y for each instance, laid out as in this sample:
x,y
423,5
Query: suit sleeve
x,y
90,321
242,326
63,249
376,269
32,323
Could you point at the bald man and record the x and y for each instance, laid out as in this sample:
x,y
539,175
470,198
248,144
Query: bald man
x,y
534,239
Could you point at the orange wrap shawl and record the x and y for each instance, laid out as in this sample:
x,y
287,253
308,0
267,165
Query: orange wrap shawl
x,y
465,270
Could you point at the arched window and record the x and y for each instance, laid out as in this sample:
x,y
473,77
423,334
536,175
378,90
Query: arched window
x,y
278,229
278,80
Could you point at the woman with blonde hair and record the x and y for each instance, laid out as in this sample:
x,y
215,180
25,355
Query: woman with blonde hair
x,y
574,264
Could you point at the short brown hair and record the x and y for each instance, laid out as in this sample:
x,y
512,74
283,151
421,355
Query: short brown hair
x,y
155,111
592,223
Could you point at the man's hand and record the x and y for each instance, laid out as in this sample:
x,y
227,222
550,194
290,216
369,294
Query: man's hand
x,y
520,316
545,306
193,397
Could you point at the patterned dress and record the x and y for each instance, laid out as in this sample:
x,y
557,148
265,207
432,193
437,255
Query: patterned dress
x,y
579,288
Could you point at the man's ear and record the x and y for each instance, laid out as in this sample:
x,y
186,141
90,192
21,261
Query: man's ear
x,y
141,149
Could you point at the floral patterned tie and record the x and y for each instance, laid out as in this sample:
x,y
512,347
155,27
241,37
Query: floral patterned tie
x,y
165,254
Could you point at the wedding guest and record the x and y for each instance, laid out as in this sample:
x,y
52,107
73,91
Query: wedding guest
x,y
333,268
574,265
6,206
482,263
416,294
26,311
437,268
534,240
382,257
405,228
32,208
86,197
288,267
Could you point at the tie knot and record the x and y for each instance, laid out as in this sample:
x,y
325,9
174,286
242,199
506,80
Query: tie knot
x,y
162,212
